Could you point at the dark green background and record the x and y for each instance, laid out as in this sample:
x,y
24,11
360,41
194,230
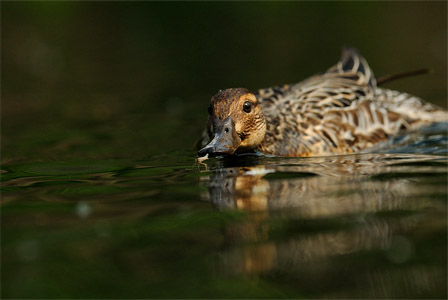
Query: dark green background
x,y
129,79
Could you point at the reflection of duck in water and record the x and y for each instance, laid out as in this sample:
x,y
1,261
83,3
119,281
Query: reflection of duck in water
x,y
319,187
338,112
305,216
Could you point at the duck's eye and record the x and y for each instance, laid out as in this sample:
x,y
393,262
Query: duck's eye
x,y
247,106
210,109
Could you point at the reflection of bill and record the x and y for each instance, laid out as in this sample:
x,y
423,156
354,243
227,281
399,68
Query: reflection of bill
x,y
305,215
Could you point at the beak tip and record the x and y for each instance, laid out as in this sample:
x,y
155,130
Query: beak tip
x,y
213,151
204,151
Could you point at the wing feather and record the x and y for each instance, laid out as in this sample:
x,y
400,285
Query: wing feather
x,y
337,110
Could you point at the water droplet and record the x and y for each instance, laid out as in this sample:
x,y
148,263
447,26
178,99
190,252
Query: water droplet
x,y
83,209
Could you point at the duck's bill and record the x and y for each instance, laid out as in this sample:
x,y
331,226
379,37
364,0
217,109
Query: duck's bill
x,y
225,141
218,146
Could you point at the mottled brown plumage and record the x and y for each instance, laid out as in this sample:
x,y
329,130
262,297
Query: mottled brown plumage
x,y
341,111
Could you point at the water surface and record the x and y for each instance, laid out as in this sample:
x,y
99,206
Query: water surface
x,y
356,226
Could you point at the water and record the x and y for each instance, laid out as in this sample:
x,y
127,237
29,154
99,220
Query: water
x,y
367,225
102,103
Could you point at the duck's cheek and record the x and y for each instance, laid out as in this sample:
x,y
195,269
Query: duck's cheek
x,y
253,139
250,141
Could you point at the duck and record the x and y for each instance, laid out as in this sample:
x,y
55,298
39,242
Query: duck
x,y
337,112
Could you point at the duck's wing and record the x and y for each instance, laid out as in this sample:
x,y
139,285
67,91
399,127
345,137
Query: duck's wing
x,y
351,79
329,113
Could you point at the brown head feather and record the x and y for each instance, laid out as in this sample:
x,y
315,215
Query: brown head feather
x,y
223,100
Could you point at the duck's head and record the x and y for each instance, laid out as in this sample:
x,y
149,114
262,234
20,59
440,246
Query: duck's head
x,y
235,124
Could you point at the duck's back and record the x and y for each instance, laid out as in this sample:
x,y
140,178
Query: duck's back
x,y
338,112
